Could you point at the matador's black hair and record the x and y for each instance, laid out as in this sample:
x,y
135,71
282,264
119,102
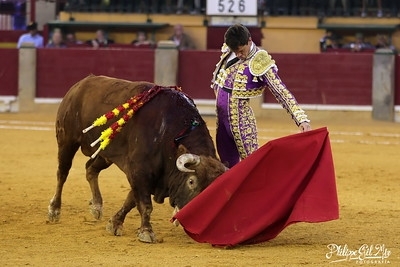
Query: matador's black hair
x,y
237,35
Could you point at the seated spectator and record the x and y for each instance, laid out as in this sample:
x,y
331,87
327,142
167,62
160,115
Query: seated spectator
x,y
359,44
142,41
56,40
329,41
32,37
181,39
382,41
335,44
70,39
101,40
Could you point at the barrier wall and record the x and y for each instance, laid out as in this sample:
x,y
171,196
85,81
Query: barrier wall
x,y
397,81
327,79
195,72
8,72
322,79
58,70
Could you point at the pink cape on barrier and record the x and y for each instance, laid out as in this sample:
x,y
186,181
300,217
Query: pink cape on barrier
x,y
287,180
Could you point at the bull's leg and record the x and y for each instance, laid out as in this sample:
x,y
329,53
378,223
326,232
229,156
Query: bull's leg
x,y
145,232
93,168
116,222
66,154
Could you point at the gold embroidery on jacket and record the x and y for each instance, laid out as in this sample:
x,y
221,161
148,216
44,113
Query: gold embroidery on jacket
x,y
260,63
285,98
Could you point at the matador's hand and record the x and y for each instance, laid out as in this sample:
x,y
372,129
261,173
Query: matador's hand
x,y
305,127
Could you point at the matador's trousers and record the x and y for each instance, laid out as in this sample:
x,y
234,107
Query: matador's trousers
x,y
236,136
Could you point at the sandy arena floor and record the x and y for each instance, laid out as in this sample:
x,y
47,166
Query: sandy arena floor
x,y
367,162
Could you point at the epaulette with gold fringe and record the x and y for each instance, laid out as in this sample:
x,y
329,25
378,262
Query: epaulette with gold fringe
x,y
260,63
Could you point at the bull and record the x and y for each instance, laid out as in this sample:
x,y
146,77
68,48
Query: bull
x,y
164,148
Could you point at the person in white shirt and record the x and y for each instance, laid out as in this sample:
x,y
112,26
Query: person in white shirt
x,y
32,36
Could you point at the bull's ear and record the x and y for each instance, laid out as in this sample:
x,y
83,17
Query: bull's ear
x,y
181,150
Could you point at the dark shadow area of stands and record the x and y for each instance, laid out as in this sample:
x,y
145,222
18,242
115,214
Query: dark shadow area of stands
x,y
114,26
359,27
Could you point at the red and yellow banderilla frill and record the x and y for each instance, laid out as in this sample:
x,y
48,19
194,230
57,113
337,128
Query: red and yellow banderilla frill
x,y
131,106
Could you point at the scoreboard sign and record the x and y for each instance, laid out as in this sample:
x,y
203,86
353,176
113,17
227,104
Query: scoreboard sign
x,y
231,8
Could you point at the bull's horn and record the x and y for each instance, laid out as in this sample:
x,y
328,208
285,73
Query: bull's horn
x,y
183,159
175,221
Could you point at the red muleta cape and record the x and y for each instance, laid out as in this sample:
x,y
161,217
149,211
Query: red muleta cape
x,y
287,180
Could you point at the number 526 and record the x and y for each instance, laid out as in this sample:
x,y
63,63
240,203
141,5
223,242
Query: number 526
x,y
231,6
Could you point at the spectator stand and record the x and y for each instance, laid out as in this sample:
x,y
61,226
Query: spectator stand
x,y
348,30
75,26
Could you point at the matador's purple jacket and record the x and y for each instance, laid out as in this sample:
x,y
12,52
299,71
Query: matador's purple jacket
x,y
234,85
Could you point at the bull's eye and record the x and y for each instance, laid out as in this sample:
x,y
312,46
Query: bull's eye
x,y
192,182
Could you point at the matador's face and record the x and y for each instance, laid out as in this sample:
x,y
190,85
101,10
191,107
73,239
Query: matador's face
x,y
243,51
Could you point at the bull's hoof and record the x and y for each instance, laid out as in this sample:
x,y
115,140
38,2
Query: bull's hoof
x,y
96,211
114,228
53,215
147,236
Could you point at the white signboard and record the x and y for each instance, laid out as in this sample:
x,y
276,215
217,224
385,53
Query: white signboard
x,y
227,21
231,8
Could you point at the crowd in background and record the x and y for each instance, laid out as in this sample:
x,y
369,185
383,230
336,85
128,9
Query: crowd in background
x,y
60,39
363,8
320,8
331,41
138,6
